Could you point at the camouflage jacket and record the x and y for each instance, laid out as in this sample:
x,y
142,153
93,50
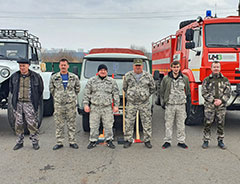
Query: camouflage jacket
x,y
61,95
216,88
165,89
138,91
101,92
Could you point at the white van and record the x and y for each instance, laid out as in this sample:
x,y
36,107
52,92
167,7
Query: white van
x,y
119,61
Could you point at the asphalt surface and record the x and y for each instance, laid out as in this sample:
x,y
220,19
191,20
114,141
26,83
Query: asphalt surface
x,y
135,165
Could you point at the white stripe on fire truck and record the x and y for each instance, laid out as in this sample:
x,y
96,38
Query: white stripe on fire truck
x,y
161,61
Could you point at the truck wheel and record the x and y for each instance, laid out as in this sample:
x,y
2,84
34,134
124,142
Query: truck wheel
x,y
48,108
85,122
11,117
195,115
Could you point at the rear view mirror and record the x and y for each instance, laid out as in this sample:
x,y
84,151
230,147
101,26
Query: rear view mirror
x,y
238,40
156,75
189,35
190,45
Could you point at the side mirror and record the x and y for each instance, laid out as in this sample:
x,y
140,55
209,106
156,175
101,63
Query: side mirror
x,y
156,75
238,40
34,57
189,35
190,45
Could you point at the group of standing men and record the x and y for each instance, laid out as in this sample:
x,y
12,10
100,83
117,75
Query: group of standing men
x,y
101,100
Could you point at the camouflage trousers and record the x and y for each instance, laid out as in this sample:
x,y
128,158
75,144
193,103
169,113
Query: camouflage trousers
x,y
214,114
26,109
146,120
175,113
104,114
65,113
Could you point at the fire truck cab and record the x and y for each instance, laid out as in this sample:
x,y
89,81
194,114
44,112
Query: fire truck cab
x,y
196,45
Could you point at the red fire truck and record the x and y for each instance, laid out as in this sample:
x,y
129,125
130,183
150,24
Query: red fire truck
x,y
196,45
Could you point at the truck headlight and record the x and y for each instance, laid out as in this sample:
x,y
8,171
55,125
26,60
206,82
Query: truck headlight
x,y
4,73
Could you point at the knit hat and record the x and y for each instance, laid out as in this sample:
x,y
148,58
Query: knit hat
x,y
102,66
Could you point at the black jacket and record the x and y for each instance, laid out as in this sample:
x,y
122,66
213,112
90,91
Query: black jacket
x,y
36,88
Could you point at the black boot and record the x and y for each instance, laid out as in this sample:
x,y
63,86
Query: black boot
x,y
36,146
127,144
205,145
92,145
57,146
18,146
148,144
110,144
74,146
221,144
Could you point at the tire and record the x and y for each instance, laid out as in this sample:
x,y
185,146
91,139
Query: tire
x,y
195,115
12,119
48,107
85,122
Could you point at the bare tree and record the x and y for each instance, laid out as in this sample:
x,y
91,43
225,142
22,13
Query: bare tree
x,y
55,57
142,48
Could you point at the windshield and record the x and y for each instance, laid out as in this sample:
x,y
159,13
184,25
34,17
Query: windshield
x,y
222,35
116,67
13,51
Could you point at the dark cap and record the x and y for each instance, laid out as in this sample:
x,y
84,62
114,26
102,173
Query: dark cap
x,y
137,61
23,61
102,66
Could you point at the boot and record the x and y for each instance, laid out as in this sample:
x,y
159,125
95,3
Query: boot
x,y
36,146
110,144
127,144
18,146
148,144
205,145
221,144
74,146
92,145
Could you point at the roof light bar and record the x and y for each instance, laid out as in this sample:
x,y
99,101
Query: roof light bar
x,y
20,34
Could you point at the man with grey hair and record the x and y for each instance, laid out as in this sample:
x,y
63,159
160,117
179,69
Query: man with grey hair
x,y
138,86
216,91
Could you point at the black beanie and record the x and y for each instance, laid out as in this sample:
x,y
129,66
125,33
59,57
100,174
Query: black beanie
x,y
102,66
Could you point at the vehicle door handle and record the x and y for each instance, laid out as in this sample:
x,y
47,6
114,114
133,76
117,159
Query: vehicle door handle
x,y
198,53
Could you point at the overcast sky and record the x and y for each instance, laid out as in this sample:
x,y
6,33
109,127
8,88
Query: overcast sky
x,y
87,24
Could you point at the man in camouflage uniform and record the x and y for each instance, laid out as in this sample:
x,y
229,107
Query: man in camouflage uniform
x,y
216,91
138,86
26,88
100,92
175,93
64,87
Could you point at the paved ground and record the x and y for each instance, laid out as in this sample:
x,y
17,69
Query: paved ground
x,y
136,165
